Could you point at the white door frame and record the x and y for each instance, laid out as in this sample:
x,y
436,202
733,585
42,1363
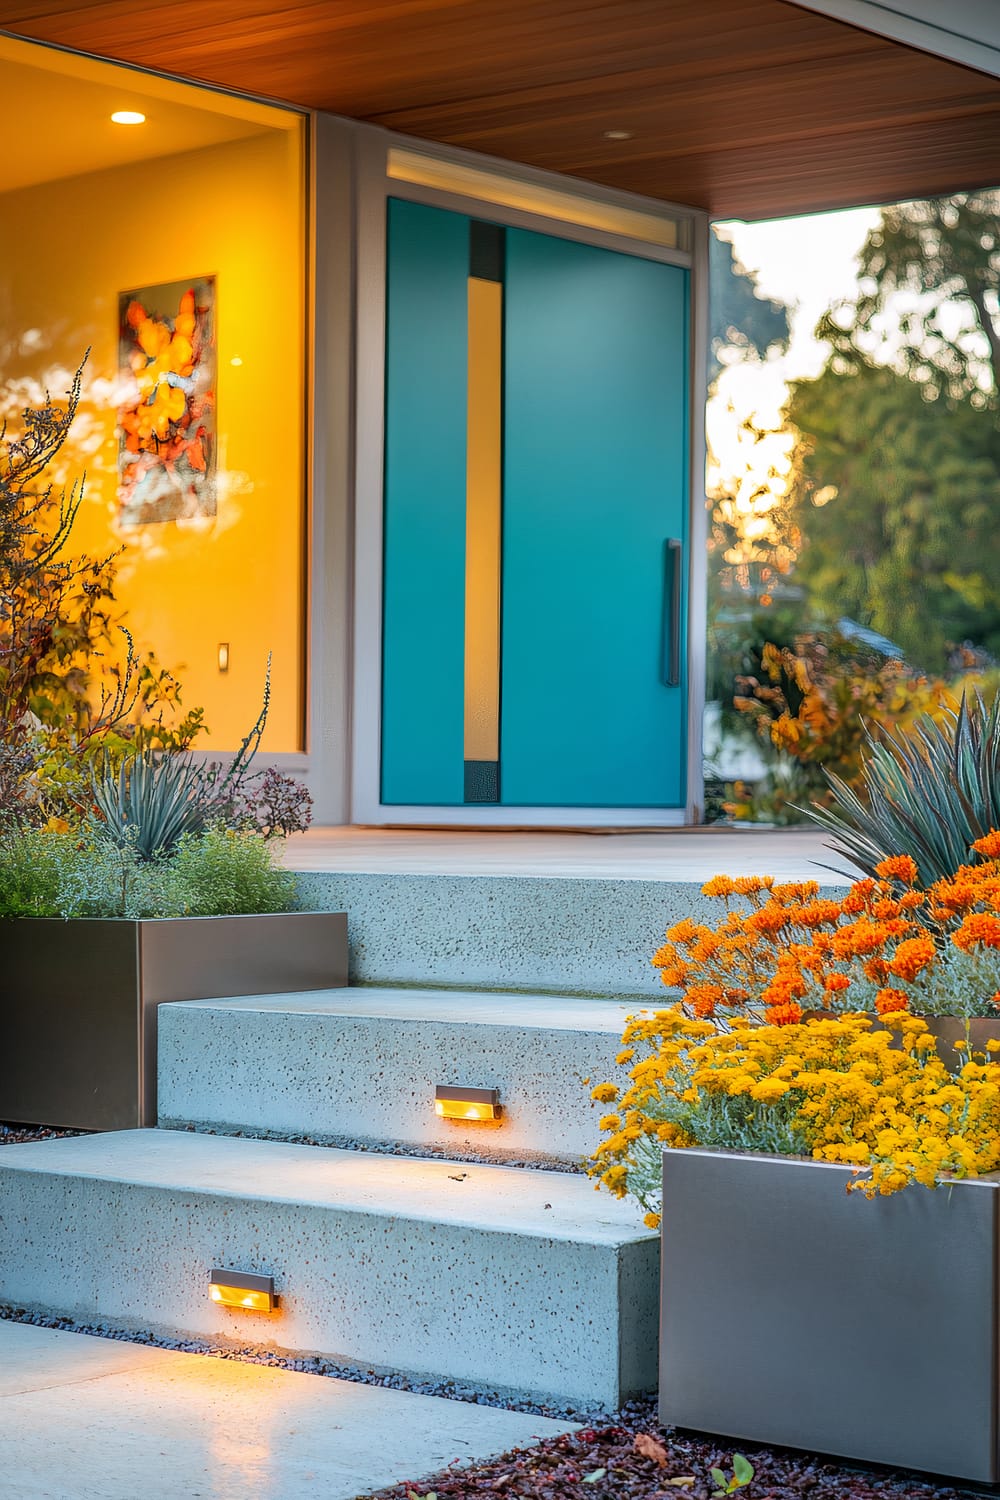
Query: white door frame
x,y
374,186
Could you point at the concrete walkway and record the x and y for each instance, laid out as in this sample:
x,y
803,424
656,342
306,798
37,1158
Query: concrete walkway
x,y
85,1418
673,854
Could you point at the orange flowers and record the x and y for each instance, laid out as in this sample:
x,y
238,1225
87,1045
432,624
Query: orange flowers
x,y
887,1001
785,1014
884,945
912,957
978,928
901,867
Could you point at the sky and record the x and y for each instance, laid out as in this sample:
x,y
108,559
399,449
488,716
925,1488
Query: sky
x,y
807,263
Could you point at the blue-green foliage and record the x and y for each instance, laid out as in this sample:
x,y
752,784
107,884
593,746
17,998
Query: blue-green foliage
x,y
929,792
213,873
151,802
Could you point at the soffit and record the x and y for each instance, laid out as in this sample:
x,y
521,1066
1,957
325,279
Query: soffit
x,y
746,108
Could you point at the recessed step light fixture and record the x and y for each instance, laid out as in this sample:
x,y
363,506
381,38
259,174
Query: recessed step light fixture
x,y
467,1104
242,1290
128,117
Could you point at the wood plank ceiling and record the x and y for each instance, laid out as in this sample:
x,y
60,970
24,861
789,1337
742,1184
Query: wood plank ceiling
x,y
748,108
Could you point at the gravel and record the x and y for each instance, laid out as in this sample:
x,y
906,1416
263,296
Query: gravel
x,y
19,1135
423,1151
630,1457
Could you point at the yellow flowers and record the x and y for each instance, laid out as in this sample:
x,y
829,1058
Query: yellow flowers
x,y
835,1088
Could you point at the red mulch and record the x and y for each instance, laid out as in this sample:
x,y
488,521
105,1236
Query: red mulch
x,y
603,1463
17,1135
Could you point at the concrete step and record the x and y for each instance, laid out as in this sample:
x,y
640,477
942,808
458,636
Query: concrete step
x,y
581,936
502,1278
362,1064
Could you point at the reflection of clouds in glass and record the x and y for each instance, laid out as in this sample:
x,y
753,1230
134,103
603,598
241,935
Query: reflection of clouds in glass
x,y
90,429
158,540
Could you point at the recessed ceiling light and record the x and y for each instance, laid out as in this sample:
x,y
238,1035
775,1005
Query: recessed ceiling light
x,y
128,117
618,135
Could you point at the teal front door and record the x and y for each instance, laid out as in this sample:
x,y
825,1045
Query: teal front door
x,y
536,487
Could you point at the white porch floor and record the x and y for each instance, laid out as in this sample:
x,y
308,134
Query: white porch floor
x,y
678,854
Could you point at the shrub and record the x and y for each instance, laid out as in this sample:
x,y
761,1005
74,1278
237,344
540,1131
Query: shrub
x,y
224,872
66,696
151,803
812,701
833,1088
932,790
49,873
884,945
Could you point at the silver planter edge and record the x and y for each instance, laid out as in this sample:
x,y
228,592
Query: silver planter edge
x,y
78,1000
795,1313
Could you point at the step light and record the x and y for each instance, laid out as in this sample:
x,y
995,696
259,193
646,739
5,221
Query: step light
x,y
467,1104
242,1290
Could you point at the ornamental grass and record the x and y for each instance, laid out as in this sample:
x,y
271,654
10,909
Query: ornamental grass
x,y
798,1031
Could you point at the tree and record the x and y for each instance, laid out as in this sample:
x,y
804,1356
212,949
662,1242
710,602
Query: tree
x,y
897,500
740,319
898,487
928,298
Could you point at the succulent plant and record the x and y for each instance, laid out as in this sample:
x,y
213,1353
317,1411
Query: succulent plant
x,y
929,792
151,802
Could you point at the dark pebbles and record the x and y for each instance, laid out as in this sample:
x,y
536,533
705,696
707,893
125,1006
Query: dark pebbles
x,y
602,1462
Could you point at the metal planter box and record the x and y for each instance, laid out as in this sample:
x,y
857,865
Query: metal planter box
x,y
797,1314
78,1001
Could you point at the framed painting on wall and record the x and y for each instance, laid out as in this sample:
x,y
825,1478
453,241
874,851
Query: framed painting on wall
x,y
166,420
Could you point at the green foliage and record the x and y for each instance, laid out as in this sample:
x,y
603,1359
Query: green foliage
x,y
742,1475
740,318
224,872
32,868
896,500
930,791
944,254
215,873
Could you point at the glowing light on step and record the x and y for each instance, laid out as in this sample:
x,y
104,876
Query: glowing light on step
x,y
467,1104
128,117
242,1290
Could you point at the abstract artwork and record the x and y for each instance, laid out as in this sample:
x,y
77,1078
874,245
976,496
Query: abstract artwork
x,y
166,420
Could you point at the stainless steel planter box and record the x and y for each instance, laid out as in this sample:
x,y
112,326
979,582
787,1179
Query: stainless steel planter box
x,y
795,1313
78,1001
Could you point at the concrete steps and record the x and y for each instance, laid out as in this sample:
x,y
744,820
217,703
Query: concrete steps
x,y
498,1277
532,934
362,1064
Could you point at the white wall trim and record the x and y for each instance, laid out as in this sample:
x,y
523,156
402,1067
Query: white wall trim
x,y
373,188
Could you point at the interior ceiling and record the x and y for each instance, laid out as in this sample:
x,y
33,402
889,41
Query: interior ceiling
x,y
747,108
72,131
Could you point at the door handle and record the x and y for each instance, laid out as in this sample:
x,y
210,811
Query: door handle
x,y
670,657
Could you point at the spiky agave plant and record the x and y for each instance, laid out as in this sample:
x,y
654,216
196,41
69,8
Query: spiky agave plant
x,y
928,791
151,801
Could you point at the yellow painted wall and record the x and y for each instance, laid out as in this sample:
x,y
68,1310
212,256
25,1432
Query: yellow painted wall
x,y
67,249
